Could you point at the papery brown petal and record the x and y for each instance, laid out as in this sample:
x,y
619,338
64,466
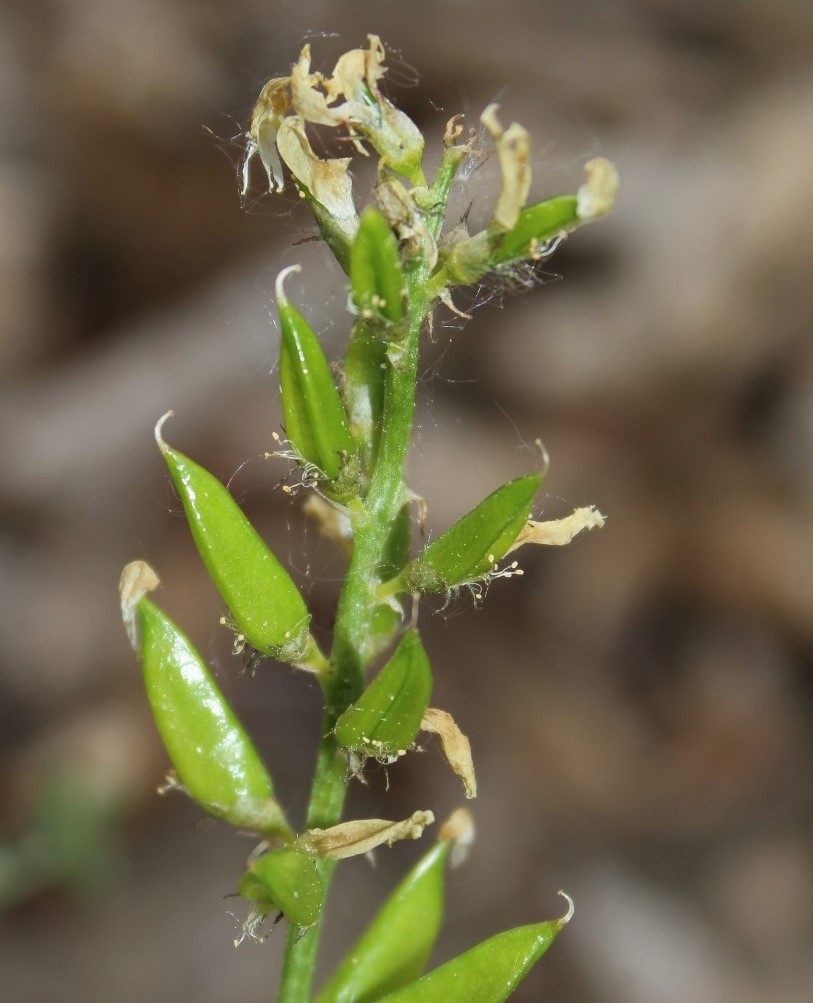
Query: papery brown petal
x,y
327,181
137,579
456,747
349,839
559,532
597,195
513,148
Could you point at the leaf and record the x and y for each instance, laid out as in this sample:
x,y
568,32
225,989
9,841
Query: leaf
x,y
286,879
315,420
471,547
456,747
487,973
349,839
384,720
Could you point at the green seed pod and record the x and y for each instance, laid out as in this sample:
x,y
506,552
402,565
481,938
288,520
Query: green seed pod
x,y
364,371
286,880
385,719
536,225
213,756
395,947
376,277
265,604
470,548
315,420
488,973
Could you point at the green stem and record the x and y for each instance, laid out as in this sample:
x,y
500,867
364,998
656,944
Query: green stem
x,y
372,520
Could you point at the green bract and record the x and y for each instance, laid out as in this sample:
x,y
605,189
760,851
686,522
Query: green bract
x,y
213,756
385,719
265,604
395,947
487,973
376,277
470,548
315,421
288,880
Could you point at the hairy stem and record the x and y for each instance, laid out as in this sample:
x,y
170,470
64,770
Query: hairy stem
x,y
372,521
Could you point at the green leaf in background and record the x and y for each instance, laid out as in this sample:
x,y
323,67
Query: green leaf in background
x,y
265,604
376,277
315,420
487,973
385,719
471,547
286,880
395,947
213,756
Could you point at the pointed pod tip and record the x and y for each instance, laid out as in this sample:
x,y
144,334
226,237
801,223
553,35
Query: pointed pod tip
x,y
571,909
282,299
159,439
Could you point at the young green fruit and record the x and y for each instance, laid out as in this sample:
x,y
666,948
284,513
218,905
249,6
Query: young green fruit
x,y
265,605
376,276
385,719
536,225
470,548
286,880
487,973
315,420
213,756
395,947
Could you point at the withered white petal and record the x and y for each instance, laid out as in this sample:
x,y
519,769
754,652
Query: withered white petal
x,y
350,839
559,532
597,195
456,747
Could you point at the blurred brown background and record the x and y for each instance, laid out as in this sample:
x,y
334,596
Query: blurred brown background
x,y
639,704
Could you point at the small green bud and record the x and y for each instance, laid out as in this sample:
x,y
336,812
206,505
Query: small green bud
x,y
376,277
535,226
470,548
315,420
385,719
286,880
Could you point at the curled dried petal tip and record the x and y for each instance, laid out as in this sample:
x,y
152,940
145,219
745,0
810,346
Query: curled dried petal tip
x,y
137,579
596,196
